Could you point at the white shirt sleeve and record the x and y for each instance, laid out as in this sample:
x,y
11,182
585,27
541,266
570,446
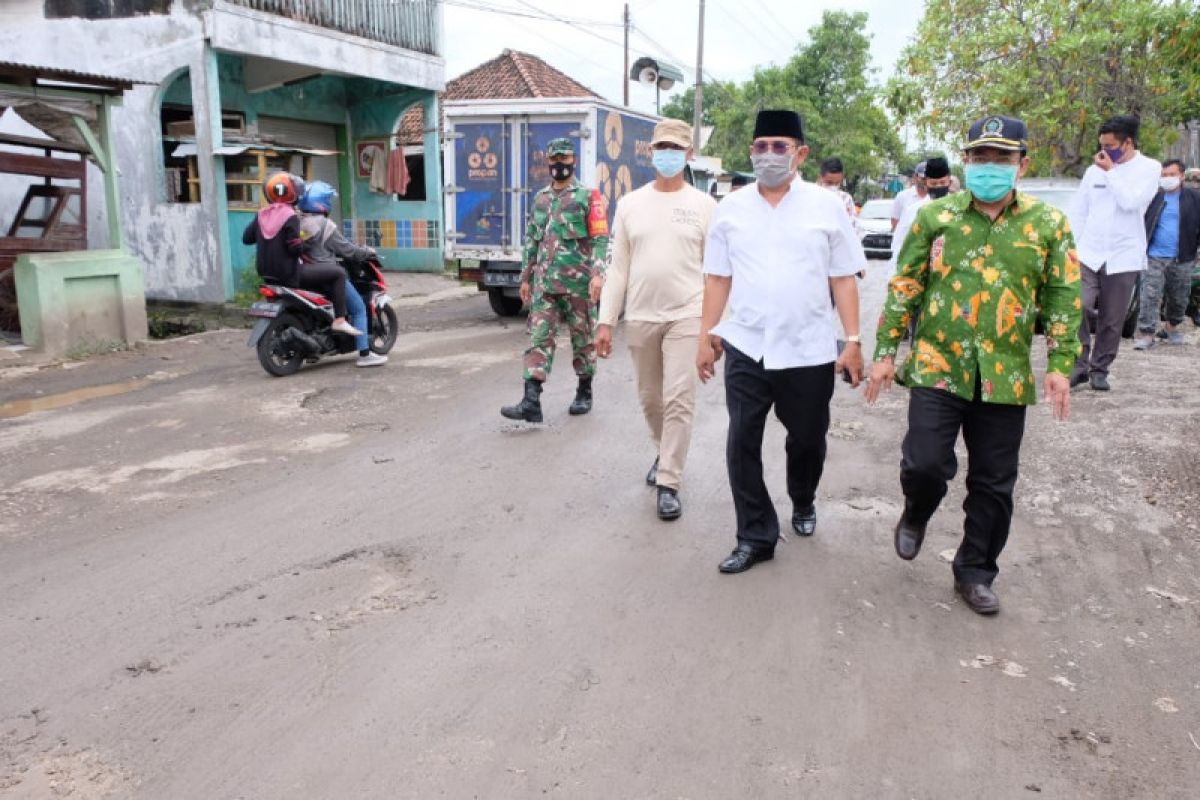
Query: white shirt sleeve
x,y
716,249
616,279
1134,185
846,255
898,205
1080,206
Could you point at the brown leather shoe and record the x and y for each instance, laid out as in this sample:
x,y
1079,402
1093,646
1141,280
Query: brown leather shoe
x,y
908,539
979,597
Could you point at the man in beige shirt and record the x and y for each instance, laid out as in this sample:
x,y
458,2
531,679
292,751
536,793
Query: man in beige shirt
x,y
657,252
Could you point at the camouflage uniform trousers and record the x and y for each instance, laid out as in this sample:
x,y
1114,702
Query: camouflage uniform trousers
x,y
1164,278
546,313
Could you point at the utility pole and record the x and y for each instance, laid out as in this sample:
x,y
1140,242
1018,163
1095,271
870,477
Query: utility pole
x,y
696,112
625,74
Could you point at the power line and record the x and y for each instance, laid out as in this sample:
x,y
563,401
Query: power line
x,y
577,25
477,5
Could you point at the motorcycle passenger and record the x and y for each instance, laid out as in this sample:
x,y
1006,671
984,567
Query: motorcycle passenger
x,y
275,230
324,244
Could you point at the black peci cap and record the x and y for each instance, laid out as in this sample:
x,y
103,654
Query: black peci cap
x,y
779,123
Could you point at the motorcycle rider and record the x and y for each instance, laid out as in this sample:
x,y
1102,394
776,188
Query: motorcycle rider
x,y
275,230
323,245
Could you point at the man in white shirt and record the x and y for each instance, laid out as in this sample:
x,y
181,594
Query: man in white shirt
x,y
937,186
917,192
831,177
1108,219
657,251
775,254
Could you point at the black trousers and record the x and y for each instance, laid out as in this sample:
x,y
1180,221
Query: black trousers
x,y
801,399
329,280
992,433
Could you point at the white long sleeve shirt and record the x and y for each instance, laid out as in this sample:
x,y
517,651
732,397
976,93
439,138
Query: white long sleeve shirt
x,y
1108,214
781,260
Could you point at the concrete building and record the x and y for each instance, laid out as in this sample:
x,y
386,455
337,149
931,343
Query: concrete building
x,y
227,91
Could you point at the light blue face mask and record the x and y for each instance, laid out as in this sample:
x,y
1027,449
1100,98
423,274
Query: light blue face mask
x,y
669,163
990,182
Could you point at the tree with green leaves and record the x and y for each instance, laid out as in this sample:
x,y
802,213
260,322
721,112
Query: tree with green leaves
x,y
1061,67
828,81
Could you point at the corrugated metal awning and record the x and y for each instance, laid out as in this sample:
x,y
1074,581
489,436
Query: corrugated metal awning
x,y
189,149
113,83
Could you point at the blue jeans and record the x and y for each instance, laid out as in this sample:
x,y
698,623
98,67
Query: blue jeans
x,y
357,311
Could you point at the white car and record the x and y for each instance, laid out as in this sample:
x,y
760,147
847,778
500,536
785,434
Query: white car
x,y
875,220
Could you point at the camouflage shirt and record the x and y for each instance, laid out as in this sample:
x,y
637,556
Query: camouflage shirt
x,y
561,256
976,287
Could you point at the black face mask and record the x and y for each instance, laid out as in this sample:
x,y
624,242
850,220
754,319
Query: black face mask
x,y
562,172
937,193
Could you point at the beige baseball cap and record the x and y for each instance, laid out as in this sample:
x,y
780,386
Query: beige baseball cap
x,y
673,131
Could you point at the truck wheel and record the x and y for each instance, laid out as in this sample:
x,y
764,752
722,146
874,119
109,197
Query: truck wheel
x,y
504,306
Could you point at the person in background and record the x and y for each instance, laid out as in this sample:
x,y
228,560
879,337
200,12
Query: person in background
x,y
1108,218
323,245
655,277
916,192
566,242
831,177
937,186
1173,228
1191,178
780,255
275,231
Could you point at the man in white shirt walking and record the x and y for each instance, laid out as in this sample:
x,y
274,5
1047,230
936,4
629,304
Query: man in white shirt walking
x,y
918,192
1108,219
775,254
657,249
937,186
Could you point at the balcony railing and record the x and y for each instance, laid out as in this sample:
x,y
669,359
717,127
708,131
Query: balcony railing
x,y
411,24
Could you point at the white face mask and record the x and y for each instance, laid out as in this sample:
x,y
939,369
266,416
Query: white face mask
x,y
1168,184
772,170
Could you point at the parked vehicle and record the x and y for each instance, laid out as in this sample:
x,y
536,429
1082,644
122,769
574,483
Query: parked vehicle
x,y
875,220
293,324
496,163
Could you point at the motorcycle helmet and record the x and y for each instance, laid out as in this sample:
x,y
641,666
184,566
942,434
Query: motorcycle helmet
x,y
318,198
283,187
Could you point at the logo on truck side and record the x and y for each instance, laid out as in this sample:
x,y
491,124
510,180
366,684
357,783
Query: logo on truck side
x,y
482,164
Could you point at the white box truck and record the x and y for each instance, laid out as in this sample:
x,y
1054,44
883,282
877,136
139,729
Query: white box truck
x,y
495,162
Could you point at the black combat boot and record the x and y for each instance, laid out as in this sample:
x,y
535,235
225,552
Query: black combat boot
x,y
582,403
530,407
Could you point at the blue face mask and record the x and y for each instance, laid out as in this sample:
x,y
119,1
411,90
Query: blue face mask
x,y
669,163
990,182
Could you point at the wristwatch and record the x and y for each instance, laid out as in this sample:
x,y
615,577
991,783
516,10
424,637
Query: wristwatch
x,y
854,339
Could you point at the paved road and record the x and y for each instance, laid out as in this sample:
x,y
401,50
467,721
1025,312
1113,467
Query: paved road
x,y
366,584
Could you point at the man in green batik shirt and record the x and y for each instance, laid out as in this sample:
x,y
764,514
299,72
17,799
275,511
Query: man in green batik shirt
x,y
566,243
976,271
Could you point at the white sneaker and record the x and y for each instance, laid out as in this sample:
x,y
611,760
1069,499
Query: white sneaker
x,y
346,328
1144,342
371,360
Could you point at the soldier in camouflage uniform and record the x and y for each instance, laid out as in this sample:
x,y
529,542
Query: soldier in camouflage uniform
x,y
565,247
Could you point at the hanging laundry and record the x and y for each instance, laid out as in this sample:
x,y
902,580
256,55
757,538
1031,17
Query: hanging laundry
x,y
397,172
379,171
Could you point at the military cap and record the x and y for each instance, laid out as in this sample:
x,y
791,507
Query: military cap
x,y
561,146
1002,133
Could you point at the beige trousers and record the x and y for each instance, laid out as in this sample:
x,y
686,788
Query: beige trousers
x,y
664,359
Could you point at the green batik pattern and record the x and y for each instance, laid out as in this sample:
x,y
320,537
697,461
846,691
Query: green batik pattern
x,y
560,257
976,288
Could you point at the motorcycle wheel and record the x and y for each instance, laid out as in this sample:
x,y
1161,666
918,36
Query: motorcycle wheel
x,y
384,331
277,357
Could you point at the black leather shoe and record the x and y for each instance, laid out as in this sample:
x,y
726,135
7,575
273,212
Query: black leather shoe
x,y
669,506
1079,376
804,522
909,537
979,597
652,475
530,407
1099,382
744,557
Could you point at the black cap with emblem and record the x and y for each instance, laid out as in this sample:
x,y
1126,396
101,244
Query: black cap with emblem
x,y
1001,133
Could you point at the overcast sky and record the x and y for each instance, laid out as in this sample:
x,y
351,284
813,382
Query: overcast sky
x,y
739,35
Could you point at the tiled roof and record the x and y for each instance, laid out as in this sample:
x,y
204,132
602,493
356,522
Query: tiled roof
x,y
514,75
